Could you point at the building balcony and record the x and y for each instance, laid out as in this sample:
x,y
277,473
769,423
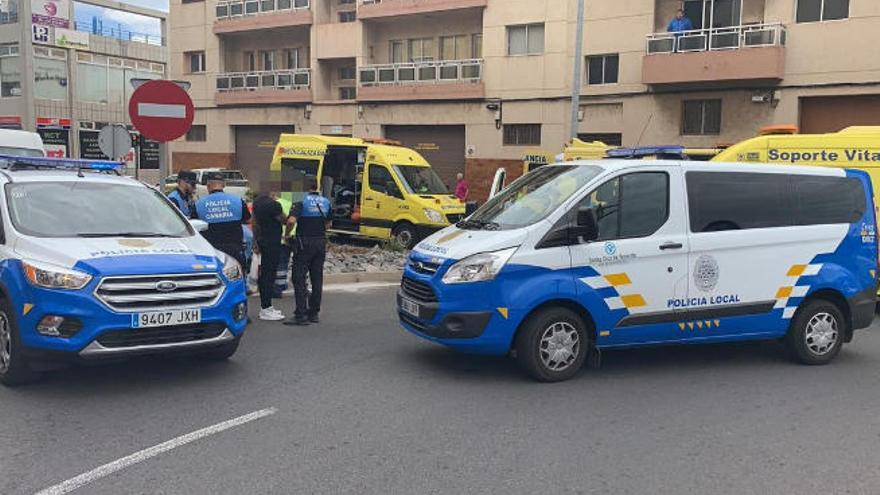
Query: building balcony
x,y
277,87
375,9
442,80
720,55
234,16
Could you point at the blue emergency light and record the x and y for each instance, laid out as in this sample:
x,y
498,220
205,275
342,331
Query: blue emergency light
x,y
12,162
674,152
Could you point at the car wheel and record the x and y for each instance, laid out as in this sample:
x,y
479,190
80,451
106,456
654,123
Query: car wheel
x,y
14,368
817,332
405,235
221,353
552,345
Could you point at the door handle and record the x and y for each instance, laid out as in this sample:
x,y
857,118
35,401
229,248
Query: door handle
x,y
369,199
671,245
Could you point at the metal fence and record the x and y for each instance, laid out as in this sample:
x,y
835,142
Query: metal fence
x,y
119,33
271,79
425,72
723,38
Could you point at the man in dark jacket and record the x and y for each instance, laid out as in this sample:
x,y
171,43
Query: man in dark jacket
x,y
310,218
182,196
224,214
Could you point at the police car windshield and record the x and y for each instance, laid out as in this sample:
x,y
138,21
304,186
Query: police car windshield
x,y
13,151
90,209
421,180
532,197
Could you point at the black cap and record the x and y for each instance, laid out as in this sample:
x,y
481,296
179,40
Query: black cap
x,y
186,176
215,176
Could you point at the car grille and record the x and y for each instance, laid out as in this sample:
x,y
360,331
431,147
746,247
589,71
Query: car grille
x,y
129,294
160,335
413,322
423,267
418,291
455,218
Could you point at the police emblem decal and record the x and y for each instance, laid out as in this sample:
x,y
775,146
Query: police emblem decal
x,y
706,273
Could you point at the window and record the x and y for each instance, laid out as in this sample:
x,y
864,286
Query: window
x,y
701,117
822,10
828,200
347,93
195,61
522,134
293,57
91,83
396,52
50,79
733,200
477,46
198,133
525,40
455,47
250,61
609,138
421,50
267,60
9,12
381,181
630,206
602,69
10,73
191,1
347,73
347,16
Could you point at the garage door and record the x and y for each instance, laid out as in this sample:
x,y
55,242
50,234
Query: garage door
x,y
254,147
442,145
833,113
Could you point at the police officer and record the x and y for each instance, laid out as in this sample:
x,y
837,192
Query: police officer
x,y
310,218
225,215
182,196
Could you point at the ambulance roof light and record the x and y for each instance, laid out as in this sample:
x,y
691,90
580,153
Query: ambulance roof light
x,y
773,130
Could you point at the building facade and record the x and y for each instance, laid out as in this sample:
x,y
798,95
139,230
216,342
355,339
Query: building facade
x,y
477,84
68,79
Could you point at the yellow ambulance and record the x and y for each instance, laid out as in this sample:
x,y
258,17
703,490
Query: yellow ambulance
x,y
853,147
378,189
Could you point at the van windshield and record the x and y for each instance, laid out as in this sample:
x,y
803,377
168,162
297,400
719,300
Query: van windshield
x,y
89,209
15,151
421,180
532,197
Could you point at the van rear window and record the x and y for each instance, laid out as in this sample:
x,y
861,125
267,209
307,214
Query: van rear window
x,y
738,201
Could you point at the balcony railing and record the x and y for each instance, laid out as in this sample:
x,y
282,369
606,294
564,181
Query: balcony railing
x,y
292,79
232,9
426,72
120,34
725,38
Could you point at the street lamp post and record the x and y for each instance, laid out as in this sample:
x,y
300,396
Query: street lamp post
x,y
578,69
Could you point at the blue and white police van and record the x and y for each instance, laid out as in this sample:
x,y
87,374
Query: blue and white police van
x,y
578,257
97,266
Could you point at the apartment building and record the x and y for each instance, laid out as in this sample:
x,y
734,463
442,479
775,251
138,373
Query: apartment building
x,y
476,84
67,79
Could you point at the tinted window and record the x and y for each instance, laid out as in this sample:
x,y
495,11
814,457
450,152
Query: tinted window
x,y
828,200
381,180
634,205
734,201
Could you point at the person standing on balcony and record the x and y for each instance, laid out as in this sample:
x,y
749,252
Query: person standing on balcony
x,y
680,23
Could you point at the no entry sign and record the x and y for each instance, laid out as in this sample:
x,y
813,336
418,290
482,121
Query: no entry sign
x,y
161,110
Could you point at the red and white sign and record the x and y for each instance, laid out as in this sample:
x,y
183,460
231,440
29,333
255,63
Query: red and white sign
x,y
161,110
53,122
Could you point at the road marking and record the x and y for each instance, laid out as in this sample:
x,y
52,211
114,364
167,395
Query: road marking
x,y
162,110
143,455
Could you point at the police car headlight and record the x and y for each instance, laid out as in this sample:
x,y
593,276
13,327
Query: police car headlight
x,y
433,216
478,268
231,267
54,277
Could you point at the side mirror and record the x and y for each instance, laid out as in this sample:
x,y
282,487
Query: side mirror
x,y
199,225
587,227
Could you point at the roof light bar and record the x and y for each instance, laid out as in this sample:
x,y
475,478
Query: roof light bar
x,y
11,162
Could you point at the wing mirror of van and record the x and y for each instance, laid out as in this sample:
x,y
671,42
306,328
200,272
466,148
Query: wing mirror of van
x,y
199,225
586,226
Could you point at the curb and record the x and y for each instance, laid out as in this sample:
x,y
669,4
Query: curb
x,y
362,277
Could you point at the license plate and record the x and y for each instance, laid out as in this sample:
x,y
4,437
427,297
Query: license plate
x,y
409,307
166,318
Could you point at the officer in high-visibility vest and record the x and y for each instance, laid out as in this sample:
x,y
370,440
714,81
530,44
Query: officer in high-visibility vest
x,y
224,213
182,196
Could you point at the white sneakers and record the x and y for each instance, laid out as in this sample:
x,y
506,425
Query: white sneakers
x,y
271,314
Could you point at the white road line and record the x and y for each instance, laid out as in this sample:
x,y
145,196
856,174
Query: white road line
x,y
120,464
162,110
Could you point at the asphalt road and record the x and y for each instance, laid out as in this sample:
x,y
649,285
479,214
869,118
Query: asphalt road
x,y
363,407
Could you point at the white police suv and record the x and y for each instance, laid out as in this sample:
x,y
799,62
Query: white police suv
x,y
98,266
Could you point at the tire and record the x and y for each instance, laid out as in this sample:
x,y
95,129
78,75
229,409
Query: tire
x,y
541,334
221,353
405,235
817,333
14,367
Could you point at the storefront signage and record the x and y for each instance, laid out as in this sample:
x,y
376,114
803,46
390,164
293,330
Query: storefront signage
x,y
51,13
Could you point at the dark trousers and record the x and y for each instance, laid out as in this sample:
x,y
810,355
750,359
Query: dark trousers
x,y
270,253
309,260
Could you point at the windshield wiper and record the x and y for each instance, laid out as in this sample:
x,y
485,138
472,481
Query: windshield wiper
x,y
123,234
